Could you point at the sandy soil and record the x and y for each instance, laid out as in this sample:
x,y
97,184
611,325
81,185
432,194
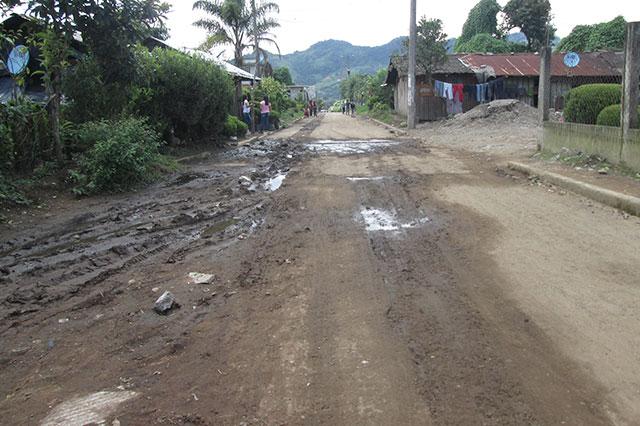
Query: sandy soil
x,y
400,283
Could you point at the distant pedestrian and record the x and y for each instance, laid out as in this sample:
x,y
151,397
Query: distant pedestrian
x,y
314,108
344,106
246,111
306,112
265,109
353,108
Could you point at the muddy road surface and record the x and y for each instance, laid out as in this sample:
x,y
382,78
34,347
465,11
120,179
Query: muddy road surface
x,y
353,278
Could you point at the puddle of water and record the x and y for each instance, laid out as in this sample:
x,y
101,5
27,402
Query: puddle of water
x,y
380,220
275,183
90,409
359,179
349,146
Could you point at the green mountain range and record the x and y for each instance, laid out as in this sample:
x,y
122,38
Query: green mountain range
x,y
326,63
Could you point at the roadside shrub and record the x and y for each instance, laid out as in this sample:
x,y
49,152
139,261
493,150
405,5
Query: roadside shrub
x,y
122,155
610,116
25,139
90,97
235,127
584,103
277,92
9,194
187,96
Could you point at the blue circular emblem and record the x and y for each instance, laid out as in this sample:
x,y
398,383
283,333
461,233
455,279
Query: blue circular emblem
x,y
18,59
571,59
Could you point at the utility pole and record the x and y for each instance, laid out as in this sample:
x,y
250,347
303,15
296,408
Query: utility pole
x,y
411,96
630,81
255,35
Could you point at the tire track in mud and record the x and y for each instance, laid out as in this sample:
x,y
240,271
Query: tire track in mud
x,y
200,208
464,375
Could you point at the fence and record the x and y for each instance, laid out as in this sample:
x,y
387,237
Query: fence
x,y
603,141
617,145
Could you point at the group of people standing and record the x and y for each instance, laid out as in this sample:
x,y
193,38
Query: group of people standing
x,y
349,107
265,110
311,110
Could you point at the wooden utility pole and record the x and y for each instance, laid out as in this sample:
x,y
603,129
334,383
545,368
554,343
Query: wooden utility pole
x,y
630,80
411,96
544,85
255,35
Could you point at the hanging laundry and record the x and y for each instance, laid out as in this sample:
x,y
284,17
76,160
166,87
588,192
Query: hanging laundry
x,y
448,91
438,88
458,92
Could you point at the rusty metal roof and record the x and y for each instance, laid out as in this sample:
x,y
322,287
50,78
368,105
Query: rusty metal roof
x,y
596,64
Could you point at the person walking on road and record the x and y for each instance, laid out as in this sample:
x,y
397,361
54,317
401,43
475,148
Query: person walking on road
x,y
265,109
246,112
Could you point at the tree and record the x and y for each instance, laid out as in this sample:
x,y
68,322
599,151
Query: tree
x,y
482,19
486,43
589,38
431,47
234,23
283,75
107,27
533,17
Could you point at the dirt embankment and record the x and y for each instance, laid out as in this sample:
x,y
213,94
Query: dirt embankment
x,y
501,128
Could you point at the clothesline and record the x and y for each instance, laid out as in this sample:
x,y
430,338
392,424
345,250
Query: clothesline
x,y
483,92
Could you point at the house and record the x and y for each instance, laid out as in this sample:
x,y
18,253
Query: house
x,y
520,73
306,93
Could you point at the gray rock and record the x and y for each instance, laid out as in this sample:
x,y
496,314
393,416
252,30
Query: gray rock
x,y
165,303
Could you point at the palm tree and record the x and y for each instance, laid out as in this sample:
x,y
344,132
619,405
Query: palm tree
x,y
233,22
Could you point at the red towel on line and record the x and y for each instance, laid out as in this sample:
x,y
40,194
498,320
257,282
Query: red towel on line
x,y
458,92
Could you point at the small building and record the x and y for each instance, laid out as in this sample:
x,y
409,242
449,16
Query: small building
x,y
306,93
519,73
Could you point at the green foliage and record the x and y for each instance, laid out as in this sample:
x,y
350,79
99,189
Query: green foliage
x,y
610,116
277,93
90,97
283,75
589,38
122,155
25,136
533,17
235,127
236,23
482,19
9,194
584,103
366,89
431,47
486,43
186,96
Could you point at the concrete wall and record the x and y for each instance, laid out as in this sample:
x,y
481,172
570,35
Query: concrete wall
x,y
603,141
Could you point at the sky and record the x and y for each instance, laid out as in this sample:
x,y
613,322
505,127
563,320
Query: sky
x,y
376,22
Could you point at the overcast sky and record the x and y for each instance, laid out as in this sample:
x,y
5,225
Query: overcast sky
x,y
376,22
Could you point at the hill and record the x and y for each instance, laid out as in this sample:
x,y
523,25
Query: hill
x,y
325,63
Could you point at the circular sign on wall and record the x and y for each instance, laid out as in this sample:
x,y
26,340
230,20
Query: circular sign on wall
x,y
18,59
571,59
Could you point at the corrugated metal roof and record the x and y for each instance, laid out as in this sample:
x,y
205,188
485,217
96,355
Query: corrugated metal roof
x,y
596,64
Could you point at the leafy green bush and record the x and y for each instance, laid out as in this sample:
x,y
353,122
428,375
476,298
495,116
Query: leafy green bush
x,y
25,139
610,116
486,43
9,194
277,93
235,127
187,96
90,97
122,155
584,103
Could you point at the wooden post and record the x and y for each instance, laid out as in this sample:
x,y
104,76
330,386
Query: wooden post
x,y
544,85
411,96
630,81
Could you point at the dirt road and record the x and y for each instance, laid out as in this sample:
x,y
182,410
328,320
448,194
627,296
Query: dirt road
x,y
387,281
